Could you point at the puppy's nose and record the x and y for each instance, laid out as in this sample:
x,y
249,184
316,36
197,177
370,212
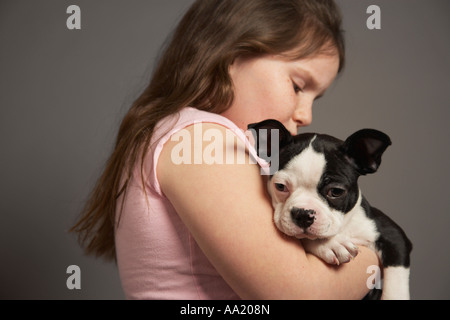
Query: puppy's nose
x,y
302,217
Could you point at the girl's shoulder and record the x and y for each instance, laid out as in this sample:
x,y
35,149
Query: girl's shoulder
x,y
201,137
191,116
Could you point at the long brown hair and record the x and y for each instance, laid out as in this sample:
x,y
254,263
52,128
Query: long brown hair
x,y
193,71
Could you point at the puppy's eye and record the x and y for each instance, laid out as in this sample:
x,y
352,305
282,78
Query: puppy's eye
x,y
335,193
281,187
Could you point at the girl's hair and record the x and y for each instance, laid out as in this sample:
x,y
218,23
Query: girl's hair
x,y
193,71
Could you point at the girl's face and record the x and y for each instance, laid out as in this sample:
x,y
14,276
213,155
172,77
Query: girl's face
x,y
272,87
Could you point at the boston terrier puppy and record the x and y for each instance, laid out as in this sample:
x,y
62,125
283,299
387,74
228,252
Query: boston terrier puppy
x,y
316,198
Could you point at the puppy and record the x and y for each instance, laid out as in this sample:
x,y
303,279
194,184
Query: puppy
x,y
313,184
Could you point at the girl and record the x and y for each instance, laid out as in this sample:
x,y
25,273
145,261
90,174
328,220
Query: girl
x,y
182,226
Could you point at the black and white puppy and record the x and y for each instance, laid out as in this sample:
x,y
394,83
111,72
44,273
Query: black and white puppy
x,y
316,198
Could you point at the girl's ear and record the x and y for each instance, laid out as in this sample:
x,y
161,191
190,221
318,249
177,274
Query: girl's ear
x,y
270,136
364,149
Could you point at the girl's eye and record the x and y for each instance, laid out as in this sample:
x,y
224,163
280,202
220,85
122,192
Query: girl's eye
x,y
281,187
297,89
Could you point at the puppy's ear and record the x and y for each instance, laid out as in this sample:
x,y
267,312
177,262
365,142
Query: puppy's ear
x,y
270,136
364,149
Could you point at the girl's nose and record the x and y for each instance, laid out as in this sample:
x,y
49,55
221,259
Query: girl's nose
x,y
303,115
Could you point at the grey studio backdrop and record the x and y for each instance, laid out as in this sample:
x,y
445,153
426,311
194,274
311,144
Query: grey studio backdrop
x,y
63,93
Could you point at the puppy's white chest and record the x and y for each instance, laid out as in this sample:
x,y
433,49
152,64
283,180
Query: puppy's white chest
x,y
359,228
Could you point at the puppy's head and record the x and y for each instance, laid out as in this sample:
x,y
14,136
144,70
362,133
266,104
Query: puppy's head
x,y
316,181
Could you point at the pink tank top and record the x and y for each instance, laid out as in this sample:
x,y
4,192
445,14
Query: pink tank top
x,y
157,256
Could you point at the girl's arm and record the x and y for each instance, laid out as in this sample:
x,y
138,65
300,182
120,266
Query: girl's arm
x,y
228,212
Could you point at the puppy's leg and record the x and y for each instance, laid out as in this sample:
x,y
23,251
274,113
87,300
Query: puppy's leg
x,y
335,250
396,283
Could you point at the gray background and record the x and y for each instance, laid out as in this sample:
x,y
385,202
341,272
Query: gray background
x,y
63,94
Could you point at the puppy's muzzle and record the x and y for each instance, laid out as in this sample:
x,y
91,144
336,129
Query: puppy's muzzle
x,y
302,217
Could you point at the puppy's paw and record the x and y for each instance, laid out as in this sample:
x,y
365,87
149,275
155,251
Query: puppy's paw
x,y
335,250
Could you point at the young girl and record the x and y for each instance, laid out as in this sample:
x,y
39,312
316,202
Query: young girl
x,y
182,226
